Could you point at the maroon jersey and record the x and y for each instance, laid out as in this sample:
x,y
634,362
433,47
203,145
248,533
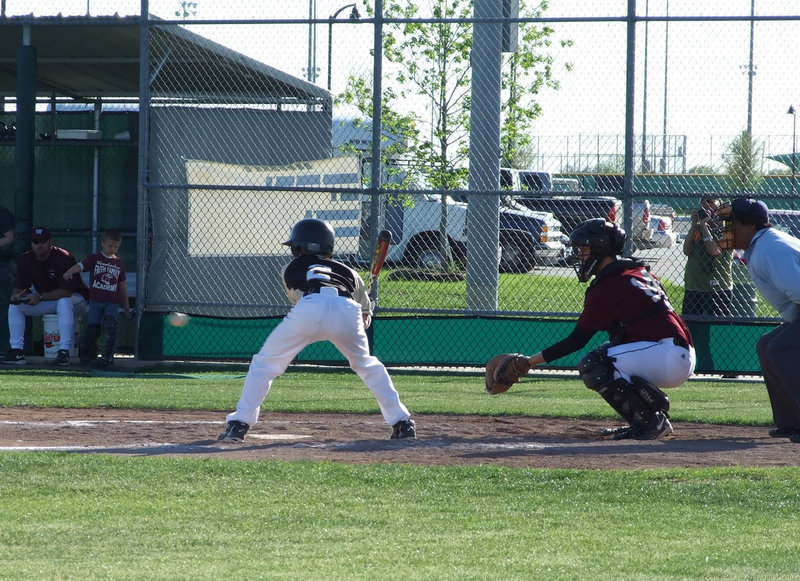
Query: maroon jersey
x,y
105,274
628,301
47,275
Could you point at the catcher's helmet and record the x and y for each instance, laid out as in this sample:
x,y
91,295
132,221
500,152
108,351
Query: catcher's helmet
x,y
603,239
311,235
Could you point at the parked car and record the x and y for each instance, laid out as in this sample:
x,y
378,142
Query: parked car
x,y
527,238
565,198
663,234
662,210
643,229
786,220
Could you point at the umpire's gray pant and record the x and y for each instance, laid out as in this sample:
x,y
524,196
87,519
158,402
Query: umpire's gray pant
x,y
779,355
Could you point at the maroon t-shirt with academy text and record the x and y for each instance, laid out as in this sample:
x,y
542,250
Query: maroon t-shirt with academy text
x,y
105,274
630,302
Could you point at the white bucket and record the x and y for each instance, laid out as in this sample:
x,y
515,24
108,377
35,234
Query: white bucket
x,y
51,337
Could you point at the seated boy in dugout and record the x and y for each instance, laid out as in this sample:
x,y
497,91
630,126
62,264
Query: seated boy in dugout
x,y
108,289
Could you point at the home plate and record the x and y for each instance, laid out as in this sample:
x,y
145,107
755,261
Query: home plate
x,y
277,436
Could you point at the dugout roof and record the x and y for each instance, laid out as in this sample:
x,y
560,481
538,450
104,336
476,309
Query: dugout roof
x,y
98,57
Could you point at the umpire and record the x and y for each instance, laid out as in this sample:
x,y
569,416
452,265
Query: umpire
x,y
773,261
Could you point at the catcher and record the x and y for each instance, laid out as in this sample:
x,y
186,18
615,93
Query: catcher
x,y
649,349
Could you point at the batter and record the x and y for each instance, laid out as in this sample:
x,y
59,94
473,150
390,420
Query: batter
x,y
330,303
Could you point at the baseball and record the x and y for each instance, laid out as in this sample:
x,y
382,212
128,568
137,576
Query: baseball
x,y
178,319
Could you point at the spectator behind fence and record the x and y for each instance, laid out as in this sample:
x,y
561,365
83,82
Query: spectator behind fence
x,y
40,289
708,279
773,261
6,269
108,289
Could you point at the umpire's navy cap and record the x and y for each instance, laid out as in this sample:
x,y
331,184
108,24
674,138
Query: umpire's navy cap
x,y
749,211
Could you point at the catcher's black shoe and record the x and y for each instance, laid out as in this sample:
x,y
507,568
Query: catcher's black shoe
x,y
662,429
616,432
404,429
234,432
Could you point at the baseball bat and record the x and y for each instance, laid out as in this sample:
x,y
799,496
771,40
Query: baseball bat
x,y
378,257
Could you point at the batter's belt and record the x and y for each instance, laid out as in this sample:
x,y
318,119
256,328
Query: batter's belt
x,y
326,290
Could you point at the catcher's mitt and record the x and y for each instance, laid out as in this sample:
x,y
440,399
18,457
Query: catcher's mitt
x,y
504,370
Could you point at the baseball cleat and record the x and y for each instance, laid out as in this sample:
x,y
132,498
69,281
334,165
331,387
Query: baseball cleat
x,y
662,429
404,429
781,432
15,357
615,431
234,432
62,357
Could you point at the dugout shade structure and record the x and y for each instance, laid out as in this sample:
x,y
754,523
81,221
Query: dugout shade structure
x,y
107,111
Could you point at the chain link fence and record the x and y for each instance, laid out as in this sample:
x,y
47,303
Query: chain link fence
x,y
480,133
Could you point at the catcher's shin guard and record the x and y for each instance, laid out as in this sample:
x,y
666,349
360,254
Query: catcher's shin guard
x,y
597,371
87,345
656,399
621,395
109,339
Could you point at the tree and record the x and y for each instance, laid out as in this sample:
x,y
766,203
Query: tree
x,y
742,160
399,130
430,64
612,164
702,170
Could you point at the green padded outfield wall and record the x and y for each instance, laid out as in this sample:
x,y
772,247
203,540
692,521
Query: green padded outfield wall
x,y
434,341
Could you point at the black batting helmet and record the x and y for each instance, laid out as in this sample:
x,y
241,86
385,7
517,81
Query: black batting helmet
x,y
603,239
311,235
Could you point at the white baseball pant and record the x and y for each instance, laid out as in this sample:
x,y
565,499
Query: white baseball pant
x,y
662,363
323,316
65,308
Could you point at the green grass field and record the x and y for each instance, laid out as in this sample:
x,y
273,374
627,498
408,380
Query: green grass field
x,y
94,516
534,291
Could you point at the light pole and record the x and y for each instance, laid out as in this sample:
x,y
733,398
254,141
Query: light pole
x,y
645,162
311,71
751,71
793,113
354,15
666,71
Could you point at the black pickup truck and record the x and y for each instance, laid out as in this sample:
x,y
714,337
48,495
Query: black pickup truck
x,y
572,210
568,205
563,197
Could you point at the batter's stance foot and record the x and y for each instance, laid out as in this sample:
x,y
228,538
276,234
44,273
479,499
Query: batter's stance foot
x,y
404,429
234,432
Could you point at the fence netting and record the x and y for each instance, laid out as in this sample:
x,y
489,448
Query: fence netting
x,y
479,133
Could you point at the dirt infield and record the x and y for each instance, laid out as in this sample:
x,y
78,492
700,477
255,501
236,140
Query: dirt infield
x,y
442,440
